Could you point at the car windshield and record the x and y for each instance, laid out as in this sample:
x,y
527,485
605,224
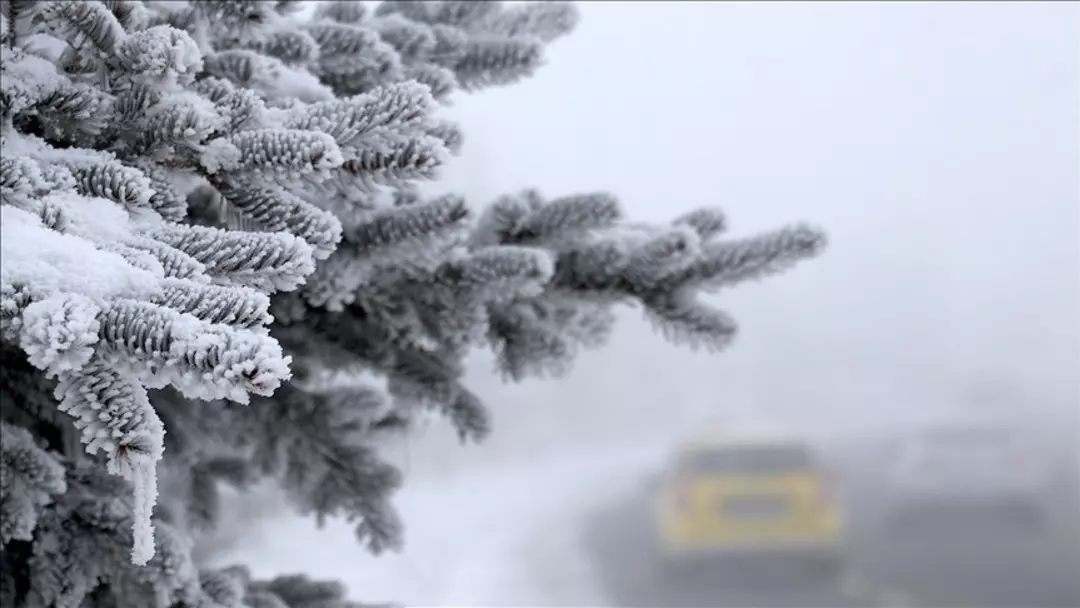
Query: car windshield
x,y
756,459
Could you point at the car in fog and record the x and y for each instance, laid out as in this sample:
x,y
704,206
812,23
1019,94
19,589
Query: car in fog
x,y
952,474
760,499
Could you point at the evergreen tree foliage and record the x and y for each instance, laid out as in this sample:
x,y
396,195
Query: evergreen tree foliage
x,y
218,269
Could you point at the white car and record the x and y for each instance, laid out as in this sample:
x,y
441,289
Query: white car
x,y
969,474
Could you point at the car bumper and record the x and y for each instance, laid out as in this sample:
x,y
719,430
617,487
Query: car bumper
x,y
807,562
774,552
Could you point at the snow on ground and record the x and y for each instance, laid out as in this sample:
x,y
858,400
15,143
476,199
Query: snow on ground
x,y
494,535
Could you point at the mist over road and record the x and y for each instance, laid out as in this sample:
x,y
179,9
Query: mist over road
x,y
496,535
950,567
567,527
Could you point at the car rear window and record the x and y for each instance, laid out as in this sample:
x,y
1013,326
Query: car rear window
x,y
757,459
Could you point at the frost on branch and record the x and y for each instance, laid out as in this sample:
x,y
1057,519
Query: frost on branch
x,y
80,553
299,591
106,287
114,414
29,479
219,267
319,461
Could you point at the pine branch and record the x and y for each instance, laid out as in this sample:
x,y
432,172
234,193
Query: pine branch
x,y
209,201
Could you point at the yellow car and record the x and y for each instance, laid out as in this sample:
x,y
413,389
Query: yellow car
x,y
749,496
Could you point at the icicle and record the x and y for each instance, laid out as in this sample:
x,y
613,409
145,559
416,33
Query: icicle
x,y
143,478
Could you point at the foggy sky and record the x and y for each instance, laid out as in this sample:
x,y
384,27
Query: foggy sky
x,y
936,142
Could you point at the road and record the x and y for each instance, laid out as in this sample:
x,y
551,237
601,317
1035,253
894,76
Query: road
x,y
616,539
954,569
973,567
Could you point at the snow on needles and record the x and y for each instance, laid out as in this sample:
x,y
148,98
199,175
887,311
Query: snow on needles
x,y
202,199
49,262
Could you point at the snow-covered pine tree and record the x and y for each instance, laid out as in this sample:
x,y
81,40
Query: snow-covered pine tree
x,y
217,268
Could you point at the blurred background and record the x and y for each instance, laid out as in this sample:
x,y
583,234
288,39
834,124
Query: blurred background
x,y
939,145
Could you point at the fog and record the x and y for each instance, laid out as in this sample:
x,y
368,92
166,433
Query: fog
x,y
937,143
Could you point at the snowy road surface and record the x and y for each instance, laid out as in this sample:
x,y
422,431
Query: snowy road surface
x,y
560,530
953,570
499,536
